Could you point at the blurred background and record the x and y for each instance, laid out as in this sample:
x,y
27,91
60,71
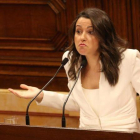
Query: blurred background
x,y
33,36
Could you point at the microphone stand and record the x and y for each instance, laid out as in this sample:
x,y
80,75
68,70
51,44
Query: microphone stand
x,y
63,113
27,118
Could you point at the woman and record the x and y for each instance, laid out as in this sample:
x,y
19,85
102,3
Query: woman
x,y
105,93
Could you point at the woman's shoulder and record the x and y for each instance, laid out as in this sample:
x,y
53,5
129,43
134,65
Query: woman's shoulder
x,y
65,54
131,54
129,58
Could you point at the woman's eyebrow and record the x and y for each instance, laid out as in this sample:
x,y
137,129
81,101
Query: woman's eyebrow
x,y
81,26
78,25
90,27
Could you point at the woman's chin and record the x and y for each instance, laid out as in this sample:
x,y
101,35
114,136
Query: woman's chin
x,y
82,52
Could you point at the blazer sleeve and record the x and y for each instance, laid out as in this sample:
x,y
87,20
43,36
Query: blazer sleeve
x,y
135,79
56,100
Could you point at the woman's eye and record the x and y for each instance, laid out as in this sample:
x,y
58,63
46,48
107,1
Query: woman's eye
x,y
78,31
90,32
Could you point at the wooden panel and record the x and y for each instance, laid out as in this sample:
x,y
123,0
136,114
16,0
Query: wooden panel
x,y
38,120
120,13
31,25
13,81
39,115
22,21
33,34
71,11
32,38
136,23
17,132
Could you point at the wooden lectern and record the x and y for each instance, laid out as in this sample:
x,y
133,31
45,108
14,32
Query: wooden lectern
x,y
18,132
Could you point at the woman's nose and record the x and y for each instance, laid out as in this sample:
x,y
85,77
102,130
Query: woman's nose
x,y
83,36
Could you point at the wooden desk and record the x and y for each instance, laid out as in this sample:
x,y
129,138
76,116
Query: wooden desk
x,y
15,132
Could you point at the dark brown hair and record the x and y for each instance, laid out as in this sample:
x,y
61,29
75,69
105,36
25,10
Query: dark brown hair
x,y
111,46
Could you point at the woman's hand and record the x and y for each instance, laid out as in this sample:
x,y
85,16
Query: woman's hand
x,y
29,93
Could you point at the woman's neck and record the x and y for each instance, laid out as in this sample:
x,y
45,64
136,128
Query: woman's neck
x,y
93,62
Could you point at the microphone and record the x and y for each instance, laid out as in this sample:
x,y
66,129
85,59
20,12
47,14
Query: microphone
x,y
84,62
65,60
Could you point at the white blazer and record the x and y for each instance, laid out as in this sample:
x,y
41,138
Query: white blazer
x,y
117,104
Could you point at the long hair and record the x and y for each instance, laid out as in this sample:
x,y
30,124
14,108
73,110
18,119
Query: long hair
x,y
111,46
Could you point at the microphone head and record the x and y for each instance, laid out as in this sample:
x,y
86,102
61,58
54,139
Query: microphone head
x,y
65,60
84,62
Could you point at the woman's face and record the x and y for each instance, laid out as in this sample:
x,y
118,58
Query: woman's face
x,y
85,41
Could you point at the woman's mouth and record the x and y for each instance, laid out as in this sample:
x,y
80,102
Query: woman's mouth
x,y
82,44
